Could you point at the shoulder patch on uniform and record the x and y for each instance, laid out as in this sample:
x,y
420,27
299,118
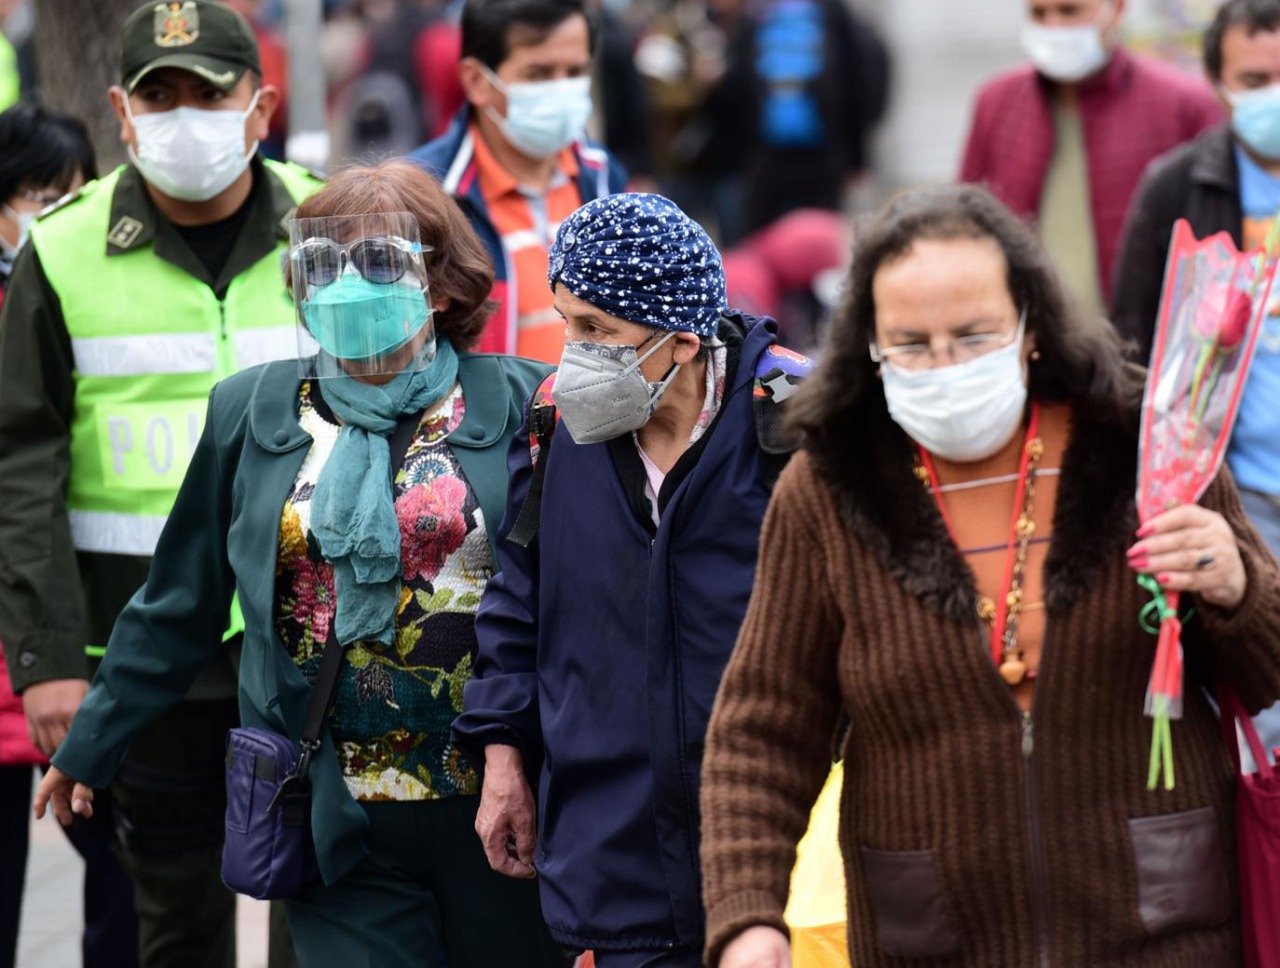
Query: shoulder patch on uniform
x,y
125,232
779,373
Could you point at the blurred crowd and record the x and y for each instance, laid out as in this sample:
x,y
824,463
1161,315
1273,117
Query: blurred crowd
x,y
742,113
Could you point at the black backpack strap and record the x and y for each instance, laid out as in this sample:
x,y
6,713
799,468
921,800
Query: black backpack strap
x,y
542,426
326,685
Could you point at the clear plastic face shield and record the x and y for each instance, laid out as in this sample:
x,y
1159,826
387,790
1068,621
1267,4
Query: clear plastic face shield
x,y
360,290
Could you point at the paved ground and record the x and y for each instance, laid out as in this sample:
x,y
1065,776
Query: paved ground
x,y
51,909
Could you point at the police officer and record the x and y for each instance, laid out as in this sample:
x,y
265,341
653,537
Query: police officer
x,y
132,299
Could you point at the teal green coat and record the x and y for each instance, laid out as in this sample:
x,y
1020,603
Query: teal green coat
x,y
222,537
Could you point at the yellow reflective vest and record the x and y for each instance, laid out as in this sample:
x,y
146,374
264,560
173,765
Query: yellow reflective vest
x,y
149,341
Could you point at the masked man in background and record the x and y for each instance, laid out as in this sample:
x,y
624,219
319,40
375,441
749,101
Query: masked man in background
x,y
1063,140
516,158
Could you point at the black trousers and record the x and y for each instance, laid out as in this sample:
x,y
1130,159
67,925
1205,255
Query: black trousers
x,y
110,937
171,800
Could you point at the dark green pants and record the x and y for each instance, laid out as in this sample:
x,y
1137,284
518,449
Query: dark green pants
x,y
424,886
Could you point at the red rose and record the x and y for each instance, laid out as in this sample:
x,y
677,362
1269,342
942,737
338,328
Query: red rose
x,y
1235,320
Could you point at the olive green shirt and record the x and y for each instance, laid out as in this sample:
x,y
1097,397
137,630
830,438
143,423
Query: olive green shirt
x,y
54,601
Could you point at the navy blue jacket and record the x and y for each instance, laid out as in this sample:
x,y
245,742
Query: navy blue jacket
x,y
601,649
450,158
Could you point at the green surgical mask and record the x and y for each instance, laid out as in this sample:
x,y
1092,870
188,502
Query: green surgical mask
x,y
354,319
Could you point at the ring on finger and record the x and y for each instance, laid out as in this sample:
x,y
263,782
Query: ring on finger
x,y
1204,562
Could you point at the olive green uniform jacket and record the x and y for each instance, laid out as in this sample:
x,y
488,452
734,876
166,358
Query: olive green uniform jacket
x,y
222,537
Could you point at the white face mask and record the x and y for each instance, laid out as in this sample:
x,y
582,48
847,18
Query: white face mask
x,y
963,412
190,153
23,220
542,116
1066,54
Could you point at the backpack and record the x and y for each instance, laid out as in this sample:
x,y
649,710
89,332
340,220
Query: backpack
x,y
779,373
790,56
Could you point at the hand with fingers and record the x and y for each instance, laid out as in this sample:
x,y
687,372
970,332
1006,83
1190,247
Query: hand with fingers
x,y
50,706
67,797
505,819
1192,549
757,947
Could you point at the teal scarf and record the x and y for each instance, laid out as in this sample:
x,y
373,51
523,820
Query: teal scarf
x,y
353,518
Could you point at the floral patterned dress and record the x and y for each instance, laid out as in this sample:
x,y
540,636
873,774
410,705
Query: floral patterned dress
x,y
395,704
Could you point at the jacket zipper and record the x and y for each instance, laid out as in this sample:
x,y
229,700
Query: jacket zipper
x,y
1039,916
225,362
1035,847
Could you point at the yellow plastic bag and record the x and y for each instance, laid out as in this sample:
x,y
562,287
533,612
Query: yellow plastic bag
x,y
816,909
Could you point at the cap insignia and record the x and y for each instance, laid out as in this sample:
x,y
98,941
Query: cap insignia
x,y
177,23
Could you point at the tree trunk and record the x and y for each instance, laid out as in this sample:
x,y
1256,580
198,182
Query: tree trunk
x,y
78,58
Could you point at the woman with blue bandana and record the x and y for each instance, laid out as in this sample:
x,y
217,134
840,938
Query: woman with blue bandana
x,y
349,500
639,483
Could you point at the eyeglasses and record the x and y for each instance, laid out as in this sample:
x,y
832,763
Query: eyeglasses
x,y
44,198
381,259
962,349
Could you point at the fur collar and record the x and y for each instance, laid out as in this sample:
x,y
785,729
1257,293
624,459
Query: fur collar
x,y
870,474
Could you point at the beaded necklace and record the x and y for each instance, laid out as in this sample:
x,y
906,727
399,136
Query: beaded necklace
x,y
1002,613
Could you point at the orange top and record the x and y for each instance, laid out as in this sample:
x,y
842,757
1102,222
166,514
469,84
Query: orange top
x,y
979,497
526,221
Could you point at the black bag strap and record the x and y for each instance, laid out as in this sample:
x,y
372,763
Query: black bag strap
x,y
542,424
326,687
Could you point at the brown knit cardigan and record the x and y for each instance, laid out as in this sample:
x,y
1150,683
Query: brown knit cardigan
x,y
973,835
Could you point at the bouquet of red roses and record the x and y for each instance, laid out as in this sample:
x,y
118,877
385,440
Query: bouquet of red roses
x,y
1211,311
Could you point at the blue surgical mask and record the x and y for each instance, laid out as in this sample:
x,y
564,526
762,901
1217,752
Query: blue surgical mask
x,y
354,319
1255,118
542,116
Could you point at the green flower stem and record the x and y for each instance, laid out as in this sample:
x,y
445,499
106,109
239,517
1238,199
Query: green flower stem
x,y
1197,381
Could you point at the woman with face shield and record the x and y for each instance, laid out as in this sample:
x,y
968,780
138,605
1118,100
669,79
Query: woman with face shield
x,y
350,499
637,492
947,570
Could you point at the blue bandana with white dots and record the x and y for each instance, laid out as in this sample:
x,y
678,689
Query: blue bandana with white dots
x,y
640,258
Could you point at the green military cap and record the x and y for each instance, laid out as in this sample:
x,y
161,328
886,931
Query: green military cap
x,y
208,39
